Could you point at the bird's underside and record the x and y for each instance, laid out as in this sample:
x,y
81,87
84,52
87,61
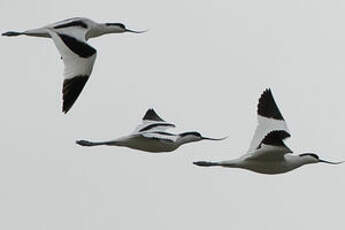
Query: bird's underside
x,y
138,142
153,145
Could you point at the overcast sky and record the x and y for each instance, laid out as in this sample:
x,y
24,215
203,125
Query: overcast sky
x,y
202,65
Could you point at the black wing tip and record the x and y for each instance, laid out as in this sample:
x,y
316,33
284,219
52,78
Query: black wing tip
x,y
268,92
151,115
66,108
204,163
267,106
71,90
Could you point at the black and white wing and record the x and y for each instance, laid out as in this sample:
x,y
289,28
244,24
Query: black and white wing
x,y
152,122
271,129
78,58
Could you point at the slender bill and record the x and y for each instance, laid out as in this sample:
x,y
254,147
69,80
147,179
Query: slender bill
x,y
214,139
330,162
137,32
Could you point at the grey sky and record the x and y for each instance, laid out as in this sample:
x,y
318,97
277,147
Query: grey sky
x,y
202,66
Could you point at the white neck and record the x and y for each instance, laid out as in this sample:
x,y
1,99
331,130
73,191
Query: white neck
x,y
299,161
186,139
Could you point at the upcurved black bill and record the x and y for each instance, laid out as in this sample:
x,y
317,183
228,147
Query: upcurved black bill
x,y
134,31
214,139
330,162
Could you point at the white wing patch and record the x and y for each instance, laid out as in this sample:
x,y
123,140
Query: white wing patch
x,y
264,127
268,153
78,61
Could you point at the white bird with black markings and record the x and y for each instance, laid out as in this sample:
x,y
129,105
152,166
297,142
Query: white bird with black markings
x,y
150,136
70,37
267,153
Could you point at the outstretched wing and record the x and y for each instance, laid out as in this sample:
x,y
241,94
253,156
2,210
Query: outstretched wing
x,y
78,58
152,122
269,119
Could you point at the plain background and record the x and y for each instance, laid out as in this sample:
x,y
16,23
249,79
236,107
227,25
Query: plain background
x,y
202,65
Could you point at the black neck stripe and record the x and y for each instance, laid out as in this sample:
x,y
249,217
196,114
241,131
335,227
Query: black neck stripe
x,y
165,133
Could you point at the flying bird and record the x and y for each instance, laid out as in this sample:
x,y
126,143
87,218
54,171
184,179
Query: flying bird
x,y
70,37
268,153
150,136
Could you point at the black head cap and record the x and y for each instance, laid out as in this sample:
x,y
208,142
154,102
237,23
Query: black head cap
x,y
190,133
310,154
116,24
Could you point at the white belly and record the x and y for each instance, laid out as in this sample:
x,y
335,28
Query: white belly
x,y
150,145
269,167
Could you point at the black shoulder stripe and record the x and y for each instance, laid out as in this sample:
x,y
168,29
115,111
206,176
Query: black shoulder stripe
x,y
155,125
164,133
275,138
71,90
72,24
80,48
151,115
162,139
267,107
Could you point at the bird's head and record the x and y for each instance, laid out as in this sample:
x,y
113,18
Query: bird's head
x,y
195,136
310,158
118,28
